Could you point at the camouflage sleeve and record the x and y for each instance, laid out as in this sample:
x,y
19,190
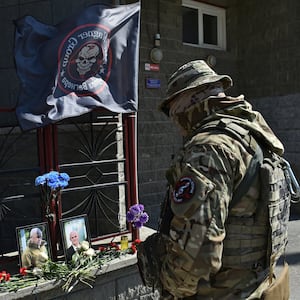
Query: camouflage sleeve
x,y
199,200
26,258
43,255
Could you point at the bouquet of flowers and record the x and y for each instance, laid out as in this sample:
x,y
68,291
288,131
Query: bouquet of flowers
x,y
137,216
83,268
51,183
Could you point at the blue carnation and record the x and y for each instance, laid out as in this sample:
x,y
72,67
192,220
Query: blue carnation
x,y
53,175
40,180
62,183
63,180
64,176
53,180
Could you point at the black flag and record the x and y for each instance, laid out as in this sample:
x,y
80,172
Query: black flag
x,y
89,60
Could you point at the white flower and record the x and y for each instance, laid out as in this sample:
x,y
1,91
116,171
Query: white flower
x,y
85,245
90,252
37,272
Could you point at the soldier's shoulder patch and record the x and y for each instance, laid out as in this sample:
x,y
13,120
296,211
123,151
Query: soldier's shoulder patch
x,y
184,189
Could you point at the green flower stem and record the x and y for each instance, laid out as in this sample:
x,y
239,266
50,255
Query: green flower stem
x,y
82,269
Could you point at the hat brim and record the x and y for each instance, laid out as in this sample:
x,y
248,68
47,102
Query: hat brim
x,y
225,79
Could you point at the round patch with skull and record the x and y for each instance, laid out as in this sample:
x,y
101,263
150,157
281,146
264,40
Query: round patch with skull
x,y
84,55
184,189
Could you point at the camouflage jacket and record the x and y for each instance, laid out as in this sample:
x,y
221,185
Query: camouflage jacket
x,y
214,252
34,255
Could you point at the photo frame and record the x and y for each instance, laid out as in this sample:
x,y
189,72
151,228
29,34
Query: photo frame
x,y
74,229
34,244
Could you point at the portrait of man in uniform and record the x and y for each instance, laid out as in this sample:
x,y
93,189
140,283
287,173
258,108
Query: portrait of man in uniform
x,y
34,245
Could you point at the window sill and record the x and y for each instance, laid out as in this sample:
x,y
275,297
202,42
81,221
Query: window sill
x,y
205,46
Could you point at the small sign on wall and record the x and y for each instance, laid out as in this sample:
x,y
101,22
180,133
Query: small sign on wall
x,y
152,83
151,67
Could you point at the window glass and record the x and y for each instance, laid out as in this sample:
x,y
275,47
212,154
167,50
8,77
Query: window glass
x,y
210,29
190,25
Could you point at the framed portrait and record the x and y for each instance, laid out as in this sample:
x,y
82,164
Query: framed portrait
x,y
34,244
74,230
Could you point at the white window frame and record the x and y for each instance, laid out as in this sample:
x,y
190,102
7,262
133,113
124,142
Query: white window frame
x,y
211,10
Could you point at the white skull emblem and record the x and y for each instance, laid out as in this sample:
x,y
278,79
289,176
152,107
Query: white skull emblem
x,y
86,58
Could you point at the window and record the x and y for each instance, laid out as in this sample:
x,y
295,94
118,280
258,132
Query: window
x,y
203,25
96,149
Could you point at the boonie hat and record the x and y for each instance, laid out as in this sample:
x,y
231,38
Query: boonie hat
x,y
189,76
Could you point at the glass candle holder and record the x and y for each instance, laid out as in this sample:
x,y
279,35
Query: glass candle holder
x,y
124,242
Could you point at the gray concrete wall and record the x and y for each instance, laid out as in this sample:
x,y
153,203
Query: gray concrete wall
x,y
268,41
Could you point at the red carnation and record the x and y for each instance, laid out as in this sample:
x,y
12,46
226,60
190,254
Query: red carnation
x,y
23,271
136,242
4,276
133,249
